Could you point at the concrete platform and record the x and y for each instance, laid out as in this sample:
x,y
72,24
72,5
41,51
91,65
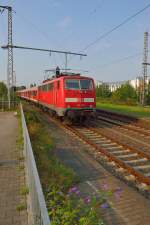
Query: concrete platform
x,y
12,177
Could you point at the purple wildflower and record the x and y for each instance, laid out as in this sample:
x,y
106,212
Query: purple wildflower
x,y
87,200
105,205
77,192
73,189
118,192
119,189
105,186
117,195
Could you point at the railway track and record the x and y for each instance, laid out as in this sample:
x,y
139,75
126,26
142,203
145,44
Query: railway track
x,y
132,163
129,129
129,164
120,119
72,151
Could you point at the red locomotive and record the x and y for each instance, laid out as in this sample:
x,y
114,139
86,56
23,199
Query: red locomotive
x,y
67,95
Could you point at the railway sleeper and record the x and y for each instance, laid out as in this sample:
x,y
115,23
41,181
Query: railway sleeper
x,y
97,138
142,167
128,156
142,187
114,148
99,141
106,144
120,152
147,174
136,160
130,177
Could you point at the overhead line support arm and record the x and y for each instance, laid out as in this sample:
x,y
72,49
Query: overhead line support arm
x,y
42,49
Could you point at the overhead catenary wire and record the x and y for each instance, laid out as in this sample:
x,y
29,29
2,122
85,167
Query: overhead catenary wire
x,y
121,59
98,7
104,35
43,34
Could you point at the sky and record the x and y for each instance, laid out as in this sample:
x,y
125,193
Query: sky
x,y
71,25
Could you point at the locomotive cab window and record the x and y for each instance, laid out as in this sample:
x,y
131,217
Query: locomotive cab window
x,y
72,84
86,84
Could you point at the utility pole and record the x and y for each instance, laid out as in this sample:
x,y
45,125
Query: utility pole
x,y
10,52
145,64
10,46
66,61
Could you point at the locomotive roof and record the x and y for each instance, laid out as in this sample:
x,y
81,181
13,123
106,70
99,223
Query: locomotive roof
x,y
75,76
29,89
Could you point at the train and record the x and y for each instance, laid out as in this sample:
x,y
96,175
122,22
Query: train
x,y
66,95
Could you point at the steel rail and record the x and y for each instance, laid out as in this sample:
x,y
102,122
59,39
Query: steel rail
x,y
140,153
125,126
119,163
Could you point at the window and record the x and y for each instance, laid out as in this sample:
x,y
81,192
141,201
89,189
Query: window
x,y
44,87
50,86
86,84
72,84
58,84
33,93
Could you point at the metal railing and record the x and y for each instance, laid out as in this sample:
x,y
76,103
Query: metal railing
x,y
39,213
4,105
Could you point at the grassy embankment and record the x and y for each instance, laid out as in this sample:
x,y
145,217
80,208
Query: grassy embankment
x,y
65,204
49,167
137,111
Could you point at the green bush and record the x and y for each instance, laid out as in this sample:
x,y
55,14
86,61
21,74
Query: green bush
x,y
126,93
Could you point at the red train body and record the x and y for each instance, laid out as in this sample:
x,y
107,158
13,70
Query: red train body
x,y
66,95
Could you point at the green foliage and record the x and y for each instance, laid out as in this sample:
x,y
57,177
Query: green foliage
x,y
21,207
125,93
67,206
49,167
137,111
24,190
3,90
73,209
103,91
148,95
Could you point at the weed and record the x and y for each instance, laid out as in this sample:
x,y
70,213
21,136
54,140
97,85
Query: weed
x,y
21,158
24,190
21,207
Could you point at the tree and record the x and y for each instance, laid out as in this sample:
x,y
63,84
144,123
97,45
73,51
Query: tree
x,y
103,91
148,95
125,93
3,90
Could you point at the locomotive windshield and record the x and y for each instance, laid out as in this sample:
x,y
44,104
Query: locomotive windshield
x,y
75,84
72,84
86,84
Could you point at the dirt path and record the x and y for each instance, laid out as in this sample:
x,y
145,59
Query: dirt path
x,y
12,178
